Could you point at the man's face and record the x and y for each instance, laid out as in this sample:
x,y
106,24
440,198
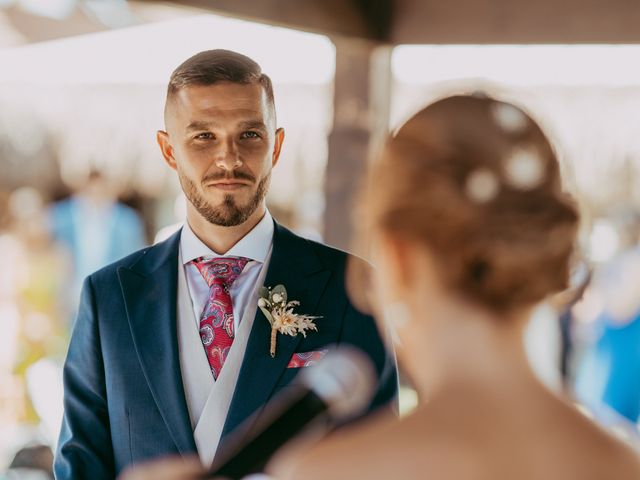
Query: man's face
x,y
222,141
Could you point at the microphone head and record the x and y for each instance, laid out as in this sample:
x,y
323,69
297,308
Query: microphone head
x,y
345,380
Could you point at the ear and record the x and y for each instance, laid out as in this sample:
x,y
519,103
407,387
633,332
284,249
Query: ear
x,y
393,258
277,146
166,148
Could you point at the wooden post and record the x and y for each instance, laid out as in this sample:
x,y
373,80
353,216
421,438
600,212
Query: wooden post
x,y
361,116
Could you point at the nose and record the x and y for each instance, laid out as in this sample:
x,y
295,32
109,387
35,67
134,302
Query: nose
x,y
227,156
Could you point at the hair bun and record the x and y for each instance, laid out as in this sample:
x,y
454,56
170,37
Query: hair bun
x,y
477,181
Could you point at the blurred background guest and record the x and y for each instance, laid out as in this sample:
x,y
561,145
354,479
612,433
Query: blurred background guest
x,y
95,227
608,371
33,278
472,233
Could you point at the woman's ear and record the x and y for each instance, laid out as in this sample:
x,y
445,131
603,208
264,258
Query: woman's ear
x,y
395,268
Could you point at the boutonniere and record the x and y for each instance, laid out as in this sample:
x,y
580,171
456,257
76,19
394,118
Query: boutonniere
x,y
279,311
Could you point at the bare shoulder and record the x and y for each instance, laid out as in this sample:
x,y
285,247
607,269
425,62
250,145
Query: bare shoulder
x,y
557,444
587,449
382,448
363,449
601,451
625,464
607,457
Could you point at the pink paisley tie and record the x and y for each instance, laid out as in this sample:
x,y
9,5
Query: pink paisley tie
x,y
216,320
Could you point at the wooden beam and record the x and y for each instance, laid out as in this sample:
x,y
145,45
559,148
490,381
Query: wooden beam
x,y
355,18
516,21
448,21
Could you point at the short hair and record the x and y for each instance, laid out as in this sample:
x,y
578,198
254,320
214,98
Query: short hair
x,y
216,66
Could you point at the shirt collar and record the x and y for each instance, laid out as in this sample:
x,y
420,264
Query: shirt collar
x,y
255,245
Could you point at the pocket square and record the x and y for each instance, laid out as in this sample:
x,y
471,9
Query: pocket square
x,y
306,359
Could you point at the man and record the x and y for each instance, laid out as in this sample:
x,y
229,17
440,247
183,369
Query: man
x,y
95,228
170,352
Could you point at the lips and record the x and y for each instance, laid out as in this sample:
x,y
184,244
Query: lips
x,y
228,185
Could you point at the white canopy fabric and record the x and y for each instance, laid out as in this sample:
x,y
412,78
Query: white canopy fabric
x,y
147,54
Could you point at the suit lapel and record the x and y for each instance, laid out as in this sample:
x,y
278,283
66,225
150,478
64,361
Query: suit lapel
x,y
149,288
295,265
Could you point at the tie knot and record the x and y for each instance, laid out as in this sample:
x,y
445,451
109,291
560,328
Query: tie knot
x,y
222,270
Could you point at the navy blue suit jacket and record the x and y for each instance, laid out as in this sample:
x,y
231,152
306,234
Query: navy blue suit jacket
x,y
124,397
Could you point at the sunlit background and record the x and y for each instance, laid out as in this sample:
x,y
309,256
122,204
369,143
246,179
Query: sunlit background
x,y
92,102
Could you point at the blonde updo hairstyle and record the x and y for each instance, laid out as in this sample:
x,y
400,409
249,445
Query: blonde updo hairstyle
x,y
477,182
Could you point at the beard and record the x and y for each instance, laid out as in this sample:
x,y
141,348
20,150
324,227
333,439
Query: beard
x,y
229,213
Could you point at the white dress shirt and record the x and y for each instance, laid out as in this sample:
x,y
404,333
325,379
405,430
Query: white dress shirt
x,y
208,401
255,245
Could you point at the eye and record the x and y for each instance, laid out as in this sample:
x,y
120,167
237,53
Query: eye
x,y
204,136
250,134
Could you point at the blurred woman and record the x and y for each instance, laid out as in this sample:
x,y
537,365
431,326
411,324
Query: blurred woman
x,y
470,230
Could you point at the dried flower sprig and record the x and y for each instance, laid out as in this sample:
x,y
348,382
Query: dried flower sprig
x,y
279,312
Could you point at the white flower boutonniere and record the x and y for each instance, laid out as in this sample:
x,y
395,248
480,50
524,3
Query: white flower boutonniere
x,y
279,311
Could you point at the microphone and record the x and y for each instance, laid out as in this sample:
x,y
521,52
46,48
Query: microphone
x,y
339,387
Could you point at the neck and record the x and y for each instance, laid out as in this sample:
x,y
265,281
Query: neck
x,y
95,201
219,238
461,345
